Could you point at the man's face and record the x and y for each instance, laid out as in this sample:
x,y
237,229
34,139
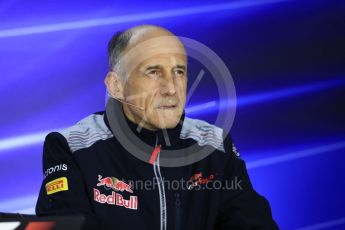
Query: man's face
x,y
156,82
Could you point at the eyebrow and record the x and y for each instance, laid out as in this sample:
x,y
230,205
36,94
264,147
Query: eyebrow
x,y
180,67
153,67
160,67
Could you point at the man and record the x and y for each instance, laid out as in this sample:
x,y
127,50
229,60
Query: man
x,y
90,170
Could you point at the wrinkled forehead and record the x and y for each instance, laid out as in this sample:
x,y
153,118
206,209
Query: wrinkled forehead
x,y
162,46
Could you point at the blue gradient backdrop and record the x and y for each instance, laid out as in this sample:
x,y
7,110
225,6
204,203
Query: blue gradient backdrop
x,y
287,59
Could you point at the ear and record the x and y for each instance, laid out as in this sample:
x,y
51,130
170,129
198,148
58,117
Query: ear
x,y
114,85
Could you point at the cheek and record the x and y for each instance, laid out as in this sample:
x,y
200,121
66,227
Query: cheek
x,y
181,86
181,82
135,92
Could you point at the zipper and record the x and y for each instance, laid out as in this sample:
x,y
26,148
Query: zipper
x,y
161,190
177,211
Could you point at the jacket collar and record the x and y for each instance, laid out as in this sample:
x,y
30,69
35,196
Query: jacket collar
x,y
167,138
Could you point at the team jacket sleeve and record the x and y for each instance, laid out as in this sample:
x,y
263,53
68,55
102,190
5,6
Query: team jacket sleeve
x,y
63,191
241,206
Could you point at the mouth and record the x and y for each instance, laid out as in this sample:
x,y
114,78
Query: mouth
x,y
167,107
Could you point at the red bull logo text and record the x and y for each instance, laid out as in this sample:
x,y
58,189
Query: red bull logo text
x,y
114,183
115,199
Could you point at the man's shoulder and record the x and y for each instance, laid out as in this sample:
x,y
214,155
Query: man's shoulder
x,y
203,133
86,132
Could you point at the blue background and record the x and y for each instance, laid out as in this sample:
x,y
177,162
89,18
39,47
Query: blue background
x,y
287,59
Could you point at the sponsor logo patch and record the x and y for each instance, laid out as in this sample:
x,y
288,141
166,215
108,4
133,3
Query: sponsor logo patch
x,y
57,185
115,198
197,179
114,183
56,168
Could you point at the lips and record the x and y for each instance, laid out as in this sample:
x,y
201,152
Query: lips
x,y
167,107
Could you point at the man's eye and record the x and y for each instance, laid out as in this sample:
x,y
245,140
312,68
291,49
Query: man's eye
x,y
179,73
153,73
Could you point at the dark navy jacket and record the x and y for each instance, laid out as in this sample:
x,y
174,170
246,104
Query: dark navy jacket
x,y
88,171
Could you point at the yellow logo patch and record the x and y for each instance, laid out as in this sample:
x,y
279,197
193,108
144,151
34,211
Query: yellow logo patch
x,y
57,185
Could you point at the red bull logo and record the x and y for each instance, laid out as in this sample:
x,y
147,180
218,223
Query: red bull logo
x,y
115,199
197,179
114,183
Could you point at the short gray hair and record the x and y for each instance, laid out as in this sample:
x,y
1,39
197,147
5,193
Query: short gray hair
x,y
117,44
120,41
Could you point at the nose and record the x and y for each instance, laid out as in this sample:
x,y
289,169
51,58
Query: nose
x,y
168,86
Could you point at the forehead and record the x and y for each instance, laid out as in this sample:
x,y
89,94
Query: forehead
x,y
167,48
